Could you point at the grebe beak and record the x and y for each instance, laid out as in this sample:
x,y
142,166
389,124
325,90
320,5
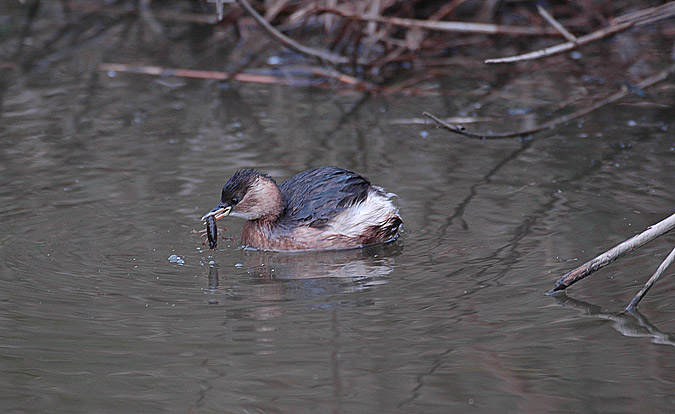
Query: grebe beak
x,y
219,212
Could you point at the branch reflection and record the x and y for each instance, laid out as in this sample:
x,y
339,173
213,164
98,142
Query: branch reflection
x,y
631,324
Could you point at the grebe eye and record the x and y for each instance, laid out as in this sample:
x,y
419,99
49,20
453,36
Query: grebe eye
x,y
235,200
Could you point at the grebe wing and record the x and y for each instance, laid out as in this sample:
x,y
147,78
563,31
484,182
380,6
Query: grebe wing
x,y
318,195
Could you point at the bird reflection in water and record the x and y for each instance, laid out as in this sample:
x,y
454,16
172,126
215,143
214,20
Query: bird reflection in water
x,y
310,275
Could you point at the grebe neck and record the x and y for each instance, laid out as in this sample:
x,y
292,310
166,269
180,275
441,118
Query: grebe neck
x,y
262,202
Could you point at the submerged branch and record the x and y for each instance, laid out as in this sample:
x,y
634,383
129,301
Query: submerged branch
x,y
652,80
616,252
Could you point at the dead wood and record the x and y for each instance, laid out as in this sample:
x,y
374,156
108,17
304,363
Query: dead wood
x,y
620,250
643,17
650,81
447,26
290,43
556,25
191,73
662,268
319,72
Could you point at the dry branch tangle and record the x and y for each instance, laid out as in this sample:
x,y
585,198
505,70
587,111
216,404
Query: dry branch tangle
x,y
624,22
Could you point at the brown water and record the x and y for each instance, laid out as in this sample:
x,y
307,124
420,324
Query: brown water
x,y
109,302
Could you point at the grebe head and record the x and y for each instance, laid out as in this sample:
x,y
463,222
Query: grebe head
x,y
250,195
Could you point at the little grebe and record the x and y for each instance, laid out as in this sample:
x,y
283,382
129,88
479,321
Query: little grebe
x,y
323,208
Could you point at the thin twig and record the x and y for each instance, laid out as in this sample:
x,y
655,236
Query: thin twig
x,y
655,13
421,121
191,73
292,44
614,253
344,78
241,77
652,80
455,128
650,15
446,26
219,7
564,47
662,268
353,82
556,25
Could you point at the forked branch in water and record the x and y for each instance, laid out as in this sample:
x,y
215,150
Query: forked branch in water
x,y
651,233
662,268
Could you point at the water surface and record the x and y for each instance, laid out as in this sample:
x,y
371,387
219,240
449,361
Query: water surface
x,y
103,178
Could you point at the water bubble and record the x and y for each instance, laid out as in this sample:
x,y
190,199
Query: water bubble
x,y
174,258
518,111
273,60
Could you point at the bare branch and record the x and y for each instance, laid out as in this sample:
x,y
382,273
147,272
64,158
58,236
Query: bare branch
x,y
445,26
564,47
614,253
556,25
662,268
652,80
623,22
290,43
191,73
241,77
